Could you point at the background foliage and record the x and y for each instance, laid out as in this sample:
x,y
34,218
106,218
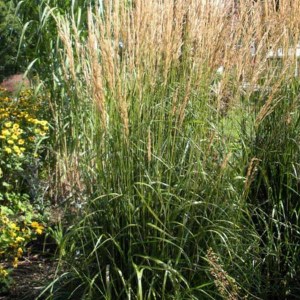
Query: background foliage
x,y
10,32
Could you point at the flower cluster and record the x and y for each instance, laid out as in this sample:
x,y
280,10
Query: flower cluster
x,y
37,227
21,130
3,272
11,134
14,236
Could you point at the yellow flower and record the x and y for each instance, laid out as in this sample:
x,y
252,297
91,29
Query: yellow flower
x,y
19,239
14,226
7,150
2,137
5,220
39,230
3,272
43,122
5,132
16,149
15,262
35,224
16,126
19,252
37,131
10,142
14,137
21,142
8,124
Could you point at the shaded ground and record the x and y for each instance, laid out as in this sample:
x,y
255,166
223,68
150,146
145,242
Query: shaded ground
x,y
30,278
38,267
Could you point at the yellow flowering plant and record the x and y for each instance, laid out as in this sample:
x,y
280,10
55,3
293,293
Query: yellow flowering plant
x,y
21,131
17,227
23,135
17,230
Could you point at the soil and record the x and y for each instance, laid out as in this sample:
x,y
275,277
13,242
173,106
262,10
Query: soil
x,y
30,278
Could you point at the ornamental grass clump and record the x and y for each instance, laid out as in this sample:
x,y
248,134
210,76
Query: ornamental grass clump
x,y
168,117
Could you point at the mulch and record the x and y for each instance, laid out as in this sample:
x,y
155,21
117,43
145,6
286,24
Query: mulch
x,y
30,278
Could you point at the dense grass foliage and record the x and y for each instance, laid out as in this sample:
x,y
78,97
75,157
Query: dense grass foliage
x,y
184,176
274,195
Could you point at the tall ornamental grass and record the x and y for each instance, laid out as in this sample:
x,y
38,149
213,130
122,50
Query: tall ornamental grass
x,y
177,139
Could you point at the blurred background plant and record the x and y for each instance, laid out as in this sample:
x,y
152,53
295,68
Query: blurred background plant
x,y
10,32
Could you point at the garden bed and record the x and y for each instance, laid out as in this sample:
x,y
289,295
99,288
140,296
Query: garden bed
x,y
31,276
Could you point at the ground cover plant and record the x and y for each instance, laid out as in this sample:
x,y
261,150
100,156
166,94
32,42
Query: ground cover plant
x,y
176,147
